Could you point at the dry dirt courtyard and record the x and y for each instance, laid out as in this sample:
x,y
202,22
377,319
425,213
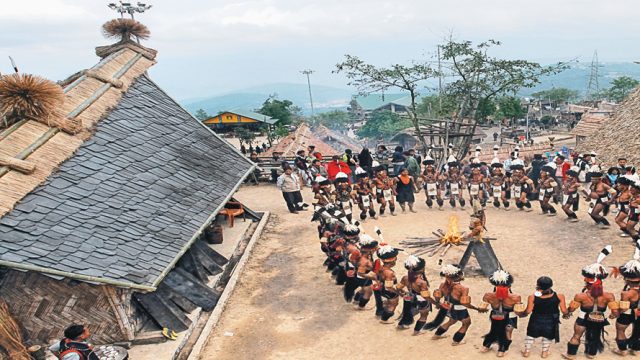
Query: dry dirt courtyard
x,y
286,306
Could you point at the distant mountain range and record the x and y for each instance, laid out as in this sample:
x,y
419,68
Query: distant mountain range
x,y
327,98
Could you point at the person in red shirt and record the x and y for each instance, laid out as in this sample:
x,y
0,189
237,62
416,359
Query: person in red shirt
x,y
561,168
335,166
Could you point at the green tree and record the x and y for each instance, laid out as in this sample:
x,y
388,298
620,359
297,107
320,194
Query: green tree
x,y
385,124
486,108
509,107
335,119
283,110
369,79
478,77
557,95
201,115
621,88
547,119
435,106
245,135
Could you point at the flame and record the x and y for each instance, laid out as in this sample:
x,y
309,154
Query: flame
x,y
453,235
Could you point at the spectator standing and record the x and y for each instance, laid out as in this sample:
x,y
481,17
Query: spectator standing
x,y
365,160
411,164
289,184
397,160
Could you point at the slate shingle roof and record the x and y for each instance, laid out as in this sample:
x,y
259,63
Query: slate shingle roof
x,y
125,207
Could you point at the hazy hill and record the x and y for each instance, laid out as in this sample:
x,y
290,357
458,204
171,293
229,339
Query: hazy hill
x,y
327,98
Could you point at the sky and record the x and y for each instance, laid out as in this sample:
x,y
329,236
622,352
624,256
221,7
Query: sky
x,y
209,47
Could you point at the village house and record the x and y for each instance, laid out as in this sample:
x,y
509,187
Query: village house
x,y
106,202
227,120
361,106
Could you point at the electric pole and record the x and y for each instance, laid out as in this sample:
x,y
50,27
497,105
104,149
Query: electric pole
x,y
593,89
309,72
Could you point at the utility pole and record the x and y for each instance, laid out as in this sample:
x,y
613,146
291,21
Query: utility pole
x,y
593,89
309,72
439,83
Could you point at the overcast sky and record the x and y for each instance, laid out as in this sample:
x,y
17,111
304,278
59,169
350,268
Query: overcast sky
x,y
212,46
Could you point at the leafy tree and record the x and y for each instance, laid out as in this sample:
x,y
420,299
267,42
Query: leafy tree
x,y
486,108
621,88
335,119
479,77
280,131
557,95
245,135
201,115
369,79
283,110
509,107
430,105
385,124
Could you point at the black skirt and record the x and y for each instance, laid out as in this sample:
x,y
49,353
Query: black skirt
x,y
405,192
544,325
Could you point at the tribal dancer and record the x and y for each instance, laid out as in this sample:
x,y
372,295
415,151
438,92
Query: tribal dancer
x,y
570,198
417,297
365,273
545,306
430,183
475,184
546,188
453,300
598,194
593,303
504,312
388,282
322,194
385,190
350,254
622,199
342,194
362,193
498,184
455,182
521,187
629,312
634,211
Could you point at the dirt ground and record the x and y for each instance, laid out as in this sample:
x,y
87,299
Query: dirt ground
x,y
286,306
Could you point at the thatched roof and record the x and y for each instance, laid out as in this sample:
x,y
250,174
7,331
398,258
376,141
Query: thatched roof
x,y
338,141
590,123
299,140
88,98
122,196
619,137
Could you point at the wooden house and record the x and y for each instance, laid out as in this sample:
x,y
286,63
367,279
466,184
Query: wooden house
x,y
106,229
227,120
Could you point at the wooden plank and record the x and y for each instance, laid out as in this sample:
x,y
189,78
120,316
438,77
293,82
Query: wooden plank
x,y
198,269
188,286
214,255
160,313
206,261
182,302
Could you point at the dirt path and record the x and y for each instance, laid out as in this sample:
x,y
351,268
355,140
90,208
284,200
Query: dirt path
x,y
286,307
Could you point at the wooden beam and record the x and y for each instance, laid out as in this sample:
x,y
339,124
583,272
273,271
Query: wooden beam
x,y
121,315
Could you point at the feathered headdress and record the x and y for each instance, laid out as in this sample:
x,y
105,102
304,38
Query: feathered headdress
x,y
351,230
631,269
549,168
451,271
387,253
361,173
322,181
597,270
501,278
573,171
414,263
367,242
452,161
495,163
428,160
341,177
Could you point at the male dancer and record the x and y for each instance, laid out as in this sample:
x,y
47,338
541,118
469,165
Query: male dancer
x,y
598,194
522,185
385,190
417,296
504,314
570,199
498,184
430,183
388,282
453,300
546,189
475,183
592,302
455,182
634,211
342,194
362,194
629,312
622,199
364,271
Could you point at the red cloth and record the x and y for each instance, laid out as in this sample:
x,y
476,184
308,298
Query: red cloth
x,y
565,167
333,168
317,155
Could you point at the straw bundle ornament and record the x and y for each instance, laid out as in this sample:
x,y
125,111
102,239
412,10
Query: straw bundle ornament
x,y
11,335
124,29
28,96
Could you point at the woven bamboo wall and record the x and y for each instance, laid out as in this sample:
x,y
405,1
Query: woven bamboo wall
x,y
45,307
